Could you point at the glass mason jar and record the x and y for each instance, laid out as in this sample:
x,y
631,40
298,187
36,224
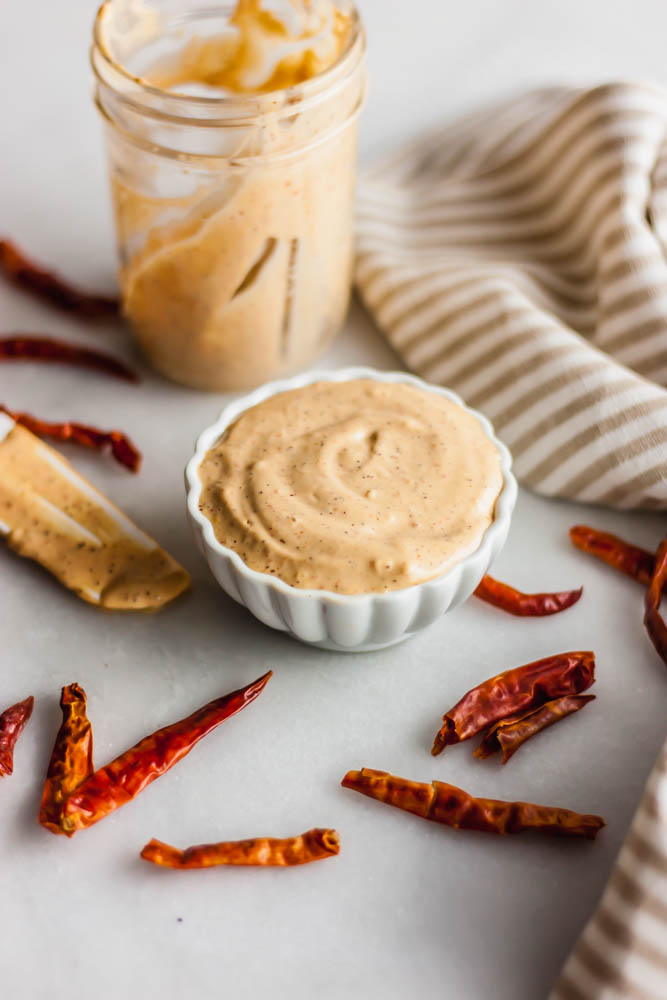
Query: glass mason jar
x,y
233,212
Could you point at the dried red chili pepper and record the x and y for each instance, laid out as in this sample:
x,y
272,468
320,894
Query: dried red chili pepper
x,y
515,691
510,733
453,807
502,596
266,851
72,757
653,620
120,445
12,724
21,271
124,778
20,348
629,559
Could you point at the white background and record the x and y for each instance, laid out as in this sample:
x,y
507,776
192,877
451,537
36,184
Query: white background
x,y
408,908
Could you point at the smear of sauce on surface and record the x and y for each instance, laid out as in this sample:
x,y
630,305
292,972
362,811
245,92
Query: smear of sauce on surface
x,y
354,487
51,514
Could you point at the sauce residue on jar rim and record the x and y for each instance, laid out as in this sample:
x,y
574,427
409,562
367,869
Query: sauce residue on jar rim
x,y
353,487
262,46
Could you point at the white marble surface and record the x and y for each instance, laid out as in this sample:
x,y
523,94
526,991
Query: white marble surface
x,y
408,908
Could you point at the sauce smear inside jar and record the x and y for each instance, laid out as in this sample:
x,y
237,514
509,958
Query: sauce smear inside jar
x,y
232,146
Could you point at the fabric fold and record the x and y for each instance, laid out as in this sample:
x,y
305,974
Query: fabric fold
x,y
622,952
518,257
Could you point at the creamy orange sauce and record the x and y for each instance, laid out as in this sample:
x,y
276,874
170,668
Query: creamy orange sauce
x,y
236,265
354,487
52,515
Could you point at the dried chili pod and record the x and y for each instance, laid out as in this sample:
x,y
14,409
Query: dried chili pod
x,y
502,596
12,723
653,620
629,559
515,691
454,807
72,757
265,851
119,444
121,781
22,348
509,734
20,270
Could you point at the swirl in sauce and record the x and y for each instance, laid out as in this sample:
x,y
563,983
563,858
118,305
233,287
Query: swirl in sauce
x,y
354,487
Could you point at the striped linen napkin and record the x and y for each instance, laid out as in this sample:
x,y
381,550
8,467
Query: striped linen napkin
x,y
622,953
518,256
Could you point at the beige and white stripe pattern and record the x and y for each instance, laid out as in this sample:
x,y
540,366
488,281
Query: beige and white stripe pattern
x,y
622,953
518,257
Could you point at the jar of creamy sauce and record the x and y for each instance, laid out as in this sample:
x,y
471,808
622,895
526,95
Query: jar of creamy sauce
x,y
231,137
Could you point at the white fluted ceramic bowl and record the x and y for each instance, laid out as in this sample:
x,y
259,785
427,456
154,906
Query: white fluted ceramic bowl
x,y
345,622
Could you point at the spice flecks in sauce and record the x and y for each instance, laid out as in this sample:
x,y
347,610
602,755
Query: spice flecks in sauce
x,y
354,487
